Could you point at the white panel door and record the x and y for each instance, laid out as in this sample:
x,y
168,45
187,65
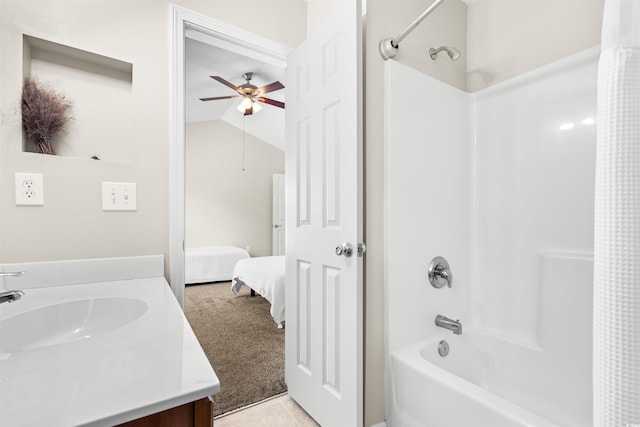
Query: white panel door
x,y
324,345
279,208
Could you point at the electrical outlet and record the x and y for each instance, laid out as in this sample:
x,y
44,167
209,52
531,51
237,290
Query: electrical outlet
x,y
29,189
119,196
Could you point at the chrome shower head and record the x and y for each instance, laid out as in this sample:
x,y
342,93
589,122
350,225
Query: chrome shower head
x,y
453,53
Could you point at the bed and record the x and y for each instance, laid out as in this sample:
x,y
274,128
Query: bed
x,y
264,275
211,263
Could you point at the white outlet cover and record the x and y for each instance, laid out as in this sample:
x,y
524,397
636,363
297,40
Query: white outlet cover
x,y
29,189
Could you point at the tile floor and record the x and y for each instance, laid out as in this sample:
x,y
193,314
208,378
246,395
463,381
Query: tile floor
x,y
281,411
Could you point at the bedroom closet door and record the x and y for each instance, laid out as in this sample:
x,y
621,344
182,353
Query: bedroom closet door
x,y
279,230
324,315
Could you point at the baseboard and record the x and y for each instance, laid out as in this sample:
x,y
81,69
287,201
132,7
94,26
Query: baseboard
x,y
382,424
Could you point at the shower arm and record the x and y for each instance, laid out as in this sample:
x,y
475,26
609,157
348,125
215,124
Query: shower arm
x,y
389,47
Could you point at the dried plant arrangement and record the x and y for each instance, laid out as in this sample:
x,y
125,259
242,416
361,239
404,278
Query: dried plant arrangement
x,y
45,114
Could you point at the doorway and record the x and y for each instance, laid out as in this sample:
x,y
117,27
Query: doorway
x,y
345,314
229,154
187,24
231,159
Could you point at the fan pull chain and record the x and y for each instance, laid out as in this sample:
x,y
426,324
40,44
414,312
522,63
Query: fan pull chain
x,y
243,133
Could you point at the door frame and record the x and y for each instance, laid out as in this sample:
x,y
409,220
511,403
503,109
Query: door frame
x,y
186,23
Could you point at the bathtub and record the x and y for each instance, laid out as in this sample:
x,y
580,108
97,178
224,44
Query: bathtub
x,y
483,381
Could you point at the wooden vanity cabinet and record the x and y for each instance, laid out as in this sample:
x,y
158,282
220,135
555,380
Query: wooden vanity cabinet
x,y
192,414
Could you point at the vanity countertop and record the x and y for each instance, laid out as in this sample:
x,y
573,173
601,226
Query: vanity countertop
x,y
106,375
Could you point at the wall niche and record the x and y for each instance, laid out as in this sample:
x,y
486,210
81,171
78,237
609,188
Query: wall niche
x,y
100,90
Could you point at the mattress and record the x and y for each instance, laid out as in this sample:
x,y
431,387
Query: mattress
x,y
266,276
211,263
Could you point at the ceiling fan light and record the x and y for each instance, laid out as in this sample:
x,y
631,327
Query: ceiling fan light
x,y
246,102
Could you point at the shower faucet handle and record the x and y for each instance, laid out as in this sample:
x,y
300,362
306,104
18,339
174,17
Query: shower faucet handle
x,y
439,273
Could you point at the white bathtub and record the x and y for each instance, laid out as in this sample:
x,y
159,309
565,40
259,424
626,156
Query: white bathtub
x,y
483,381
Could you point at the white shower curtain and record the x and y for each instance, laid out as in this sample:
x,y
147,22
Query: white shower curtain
x,y
616,327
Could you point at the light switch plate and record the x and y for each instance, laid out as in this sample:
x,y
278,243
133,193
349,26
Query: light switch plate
x,y
119,196
29,189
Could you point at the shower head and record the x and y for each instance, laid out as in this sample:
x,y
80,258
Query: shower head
x,y
453,53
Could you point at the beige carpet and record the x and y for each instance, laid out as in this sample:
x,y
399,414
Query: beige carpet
x,y
241,340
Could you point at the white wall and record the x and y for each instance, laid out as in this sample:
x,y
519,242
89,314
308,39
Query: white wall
x,y
428,202
534,179
319,12
72,224
226,205
506,38
532,248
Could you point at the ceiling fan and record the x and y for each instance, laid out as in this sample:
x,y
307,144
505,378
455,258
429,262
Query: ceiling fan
x,y
250,93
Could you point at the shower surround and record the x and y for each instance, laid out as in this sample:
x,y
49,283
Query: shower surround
x,y
501,184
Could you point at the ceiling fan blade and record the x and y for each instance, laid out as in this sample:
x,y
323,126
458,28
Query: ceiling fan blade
x,y
248,111
270,101
226,83
271,87
219,97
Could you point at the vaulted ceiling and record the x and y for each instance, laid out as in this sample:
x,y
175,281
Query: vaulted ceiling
x,y
203,60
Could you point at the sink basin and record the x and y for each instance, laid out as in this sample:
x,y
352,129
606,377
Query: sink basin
x,y
67,322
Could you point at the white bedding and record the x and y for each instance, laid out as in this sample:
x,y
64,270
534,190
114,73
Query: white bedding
x,y
211,263
265,275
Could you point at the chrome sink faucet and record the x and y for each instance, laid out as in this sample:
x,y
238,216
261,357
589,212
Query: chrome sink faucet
x,y
453,325
11,296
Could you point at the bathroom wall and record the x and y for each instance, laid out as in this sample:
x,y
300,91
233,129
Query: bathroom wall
x,y
508,38
72,224
534,183
532,241
226,205
319,12
428,199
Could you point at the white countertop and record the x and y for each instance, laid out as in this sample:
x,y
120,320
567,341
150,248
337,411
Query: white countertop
x,y
148,365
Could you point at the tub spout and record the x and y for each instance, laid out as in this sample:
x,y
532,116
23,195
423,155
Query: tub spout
x,y
453,325
10,296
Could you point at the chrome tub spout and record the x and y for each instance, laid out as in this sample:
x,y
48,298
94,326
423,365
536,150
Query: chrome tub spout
x,y
453,325
10,296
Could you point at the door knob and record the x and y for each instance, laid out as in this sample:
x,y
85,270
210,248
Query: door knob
x,y
439,273
344,249
362,248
